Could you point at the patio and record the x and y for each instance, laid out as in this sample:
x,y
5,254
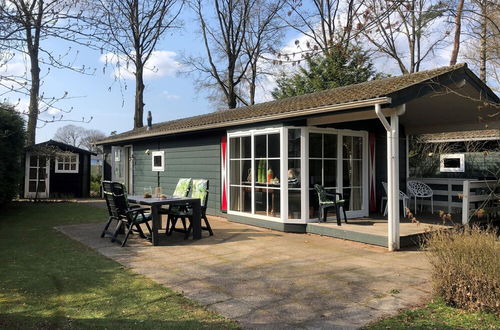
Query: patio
x,y
268,279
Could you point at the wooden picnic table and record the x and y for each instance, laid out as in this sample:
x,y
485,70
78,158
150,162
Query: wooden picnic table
x,y
156,204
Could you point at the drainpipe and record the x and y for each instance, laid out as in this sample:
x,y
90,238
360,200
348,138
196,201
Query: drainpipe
x,y
392,129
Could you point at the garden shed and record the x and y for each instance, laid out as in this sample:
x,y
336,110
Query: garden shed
x,y
56,170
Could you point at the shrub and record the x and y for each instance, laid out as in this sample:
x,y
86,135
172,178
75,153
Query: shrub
x,y
12,136
466,267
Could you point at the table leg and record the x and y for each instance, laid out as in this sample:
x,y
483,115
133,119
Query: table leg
x,y
156,224
196,219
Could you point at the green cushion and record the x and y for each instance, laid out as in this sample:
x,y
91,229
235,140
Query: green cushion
x,y
200,190
182,188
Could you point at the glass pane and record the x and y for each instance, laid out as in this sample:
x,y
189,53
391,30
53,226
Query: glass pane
x,y
32,186
60,166
347,147
330,145
41,186
66,167
235,170
260,171
294,173
73,167
330,171
157,161
41,173
357,173
260,201
246,199
33,161
357,147
315,145
234,145
246,172
32,174
347,173
294,143
234,193
260,146
60,159
315,169
294,211
273,172
246,145
313,204
273,202
273,145
73,159
42,161
353,199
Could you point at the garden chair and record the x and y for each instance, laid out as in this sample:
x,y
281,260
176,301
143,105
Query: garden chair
x,y
418,189
181,190
199,190
402,197
327,201
130,217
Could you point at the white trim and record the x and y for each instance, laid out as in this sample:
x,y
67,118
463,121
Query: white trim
x,y
459,169
160,168
27,193
67,154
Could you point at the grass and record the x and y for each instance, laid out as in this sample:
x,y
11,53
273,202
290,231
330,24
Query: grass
x,y
50,281
437,315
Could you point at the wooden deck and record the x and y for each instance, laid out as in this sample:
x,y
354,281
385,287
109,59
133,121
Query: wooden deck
x,y
373,230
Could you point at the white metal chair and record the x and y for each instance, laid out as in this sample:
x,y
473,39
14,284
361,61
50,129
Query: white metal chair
x,y
418,189
402,197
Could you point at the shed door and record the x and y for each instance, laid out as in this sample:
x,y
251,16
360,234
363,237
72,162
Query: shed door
x,y
37,176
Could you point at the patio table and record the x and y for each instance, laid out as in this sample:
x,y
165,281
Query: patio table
x,y
156,203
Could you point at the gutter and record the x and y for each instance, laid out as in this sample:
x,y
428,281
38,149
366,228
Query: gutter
x,y
318,110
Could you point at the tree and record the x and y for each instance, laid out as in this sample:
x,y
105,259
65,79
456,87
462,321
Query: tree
x,y
234,41
131,29
12,135
79,137
458,32
27,24
407,31
339,68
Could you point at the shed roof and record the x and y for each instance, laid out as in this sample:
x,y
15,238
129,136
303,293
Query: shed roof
x,y
62,146
478,135
381,91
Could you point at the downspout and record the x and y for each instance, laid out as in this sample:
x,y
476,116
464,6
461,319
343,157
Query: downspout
x,y
393,239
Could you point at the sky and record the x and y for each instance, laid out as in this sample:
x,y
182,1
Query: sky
x,y
168,95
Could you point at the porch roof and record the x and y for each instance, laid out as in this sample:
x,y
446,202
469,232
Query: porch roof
x,y
387,92
479,135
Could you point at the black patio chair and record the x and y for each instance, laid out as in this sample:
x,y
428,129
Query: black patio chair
x,y
199,190
328,201
128,217
181,190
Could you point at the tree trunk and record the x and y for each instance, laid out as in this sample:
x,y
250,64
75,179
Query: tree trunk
x,y
253,82
483,36
458,32
139,94
34,94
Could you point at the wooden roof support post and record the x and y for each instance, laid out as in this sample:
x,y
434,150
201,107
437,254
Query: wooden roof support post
x,y
392,129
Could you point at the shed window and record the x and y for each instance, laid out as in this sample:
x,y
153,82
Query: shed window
x,y
452,163
158,161
67,163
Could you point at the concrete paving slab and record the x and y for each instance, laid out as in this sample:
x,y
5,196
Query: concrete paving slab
x,y
272,280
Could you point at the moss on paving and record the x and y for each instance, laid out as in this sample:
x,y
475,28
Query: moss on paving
x,y
437,315
50,281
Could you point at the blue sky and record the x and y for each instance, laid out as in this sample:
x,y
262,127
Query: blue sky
x,y
168,95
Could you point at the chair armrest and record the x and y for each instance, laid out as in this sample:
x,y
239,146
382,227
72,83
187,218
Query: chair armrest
x,y
136,210
335,195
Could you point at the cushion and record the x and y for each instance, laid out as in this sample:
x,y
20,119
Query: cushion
x,y
200,190
182,188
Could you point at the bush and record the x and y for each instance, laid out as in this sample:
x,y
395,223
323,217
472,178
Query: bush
x,y
466,267
12,137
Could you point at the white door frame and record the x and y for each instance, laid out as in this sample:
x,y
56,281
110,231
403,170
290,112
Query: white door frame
x,y
27,193
129,167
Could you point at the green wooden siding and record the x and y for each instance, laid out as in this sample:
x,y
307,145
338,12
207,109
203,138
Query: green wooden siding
x,y
185,157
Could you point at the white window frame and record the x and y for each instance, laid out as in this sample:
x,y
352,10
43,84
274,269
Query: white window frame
x,y
158,168
459,169
76,170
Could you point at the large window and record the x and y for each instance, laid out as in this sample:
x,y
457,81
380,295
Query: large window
x,y
294,173
352,172
254,173
67,163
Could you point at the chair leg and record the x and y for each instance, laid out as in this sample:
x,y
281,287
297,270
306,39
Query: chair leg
x,y
172,225
337,213
127,235
345,216
320,214
325,214
184,223
169,220
139,230
106,227
117,230
207,225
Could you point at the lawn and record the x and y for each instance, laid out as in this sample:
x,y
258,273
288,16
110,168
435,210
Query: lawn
x,y
50,281
437,315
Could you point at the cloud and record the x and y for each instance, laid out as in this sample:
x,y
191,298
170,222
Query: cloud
x,y
167,95
161,63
